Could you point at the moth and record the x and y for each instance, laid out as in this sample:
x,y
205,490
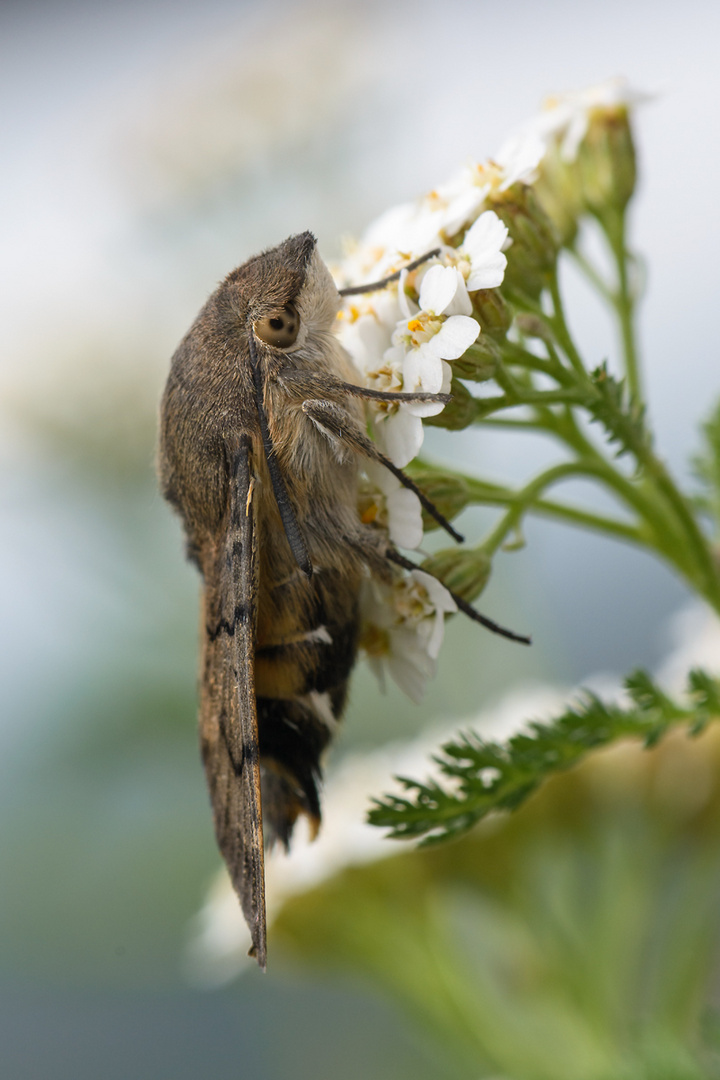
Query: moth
x,y
262,432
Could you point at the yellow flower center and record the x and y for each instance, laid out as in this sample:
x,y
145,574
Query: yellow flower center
x,y
374,641
424,326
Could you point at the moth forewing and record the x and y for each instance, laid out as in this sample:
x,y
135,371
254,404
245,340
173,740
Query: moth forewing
x,y
250,474
228,709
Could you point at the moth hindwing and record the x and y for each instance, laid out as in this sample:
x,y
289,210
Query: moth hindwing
x,y
261,430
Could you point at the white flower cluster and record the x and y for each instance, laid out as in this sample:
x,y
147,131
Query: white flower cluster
x,y
404,337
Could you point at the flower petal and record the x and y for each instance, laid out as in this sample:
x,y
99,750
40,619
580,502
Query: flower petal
x,y
432,408
438,288
409,663
405,518
455,336
488,274
422,367
461,304
484,243
400,435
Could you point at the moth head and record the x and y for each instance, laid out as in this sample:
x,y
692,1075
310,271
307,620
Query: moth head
x,y
284,296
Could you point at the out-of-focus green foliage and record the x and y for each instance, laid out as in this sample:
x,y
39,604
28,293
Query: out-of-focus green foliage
x,y
707,468
574,940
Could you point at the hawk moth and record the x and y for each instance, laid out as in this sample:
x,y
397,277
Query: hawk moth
x,y
261,432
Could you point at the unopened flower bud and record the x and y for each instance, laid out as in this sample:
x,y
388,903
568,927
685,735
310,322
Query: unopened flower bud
x,y
492,312
458,413
557,189
533,326
606,161
464,572
535,241
448,492
478,363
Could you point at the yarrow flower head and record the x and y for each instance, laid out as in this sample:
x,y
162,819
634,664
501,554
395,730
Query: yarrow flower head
x,y
487,242
405,337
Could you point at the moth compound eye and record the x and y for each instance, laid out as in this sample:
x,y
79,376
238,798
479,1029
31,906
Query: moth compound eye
x,y
281,329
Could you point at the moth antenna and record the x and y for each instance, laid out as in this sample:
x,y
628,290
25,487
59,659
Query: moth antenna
x,y
287,514
407,564
424,501
373,286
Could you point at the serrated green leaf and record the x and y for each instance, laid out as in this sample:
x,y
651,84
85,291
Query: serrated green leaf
x,y
488,776
623,421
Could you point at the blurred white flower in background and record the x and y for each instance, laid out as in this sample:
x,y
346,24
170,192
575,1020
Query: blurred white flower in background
x,y
566,117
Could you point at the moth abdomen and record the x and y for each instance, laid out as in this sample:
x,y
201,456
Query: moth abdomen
x,y
293,733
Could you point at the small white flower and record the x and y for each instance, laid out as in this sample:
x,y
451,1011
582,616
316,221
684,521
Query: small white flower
x,y
398,432
519,158
392,506
442,322
441,329
365,328
403,628
483,248
409,228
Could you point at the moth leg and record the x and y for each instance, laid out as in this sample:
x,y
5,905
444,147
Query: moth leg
x,y
292,529
228,709
309,384
407,564
408,396
338,425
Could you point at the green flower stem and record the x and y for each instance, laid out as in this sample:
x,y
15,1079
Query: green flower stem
x,y
655,500
495,495
558,324
701,553
593,276
623,300
705,575
517,355
517,395
528,496
661,530
591,463
656,528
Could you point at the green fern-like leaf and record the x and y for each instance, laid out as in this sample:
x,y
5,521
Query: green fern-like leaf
x,y
706,466
479,777
623,421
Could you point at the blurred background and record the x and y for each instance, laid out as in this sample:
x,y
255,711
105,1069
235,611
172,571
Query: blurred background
x,y
148,149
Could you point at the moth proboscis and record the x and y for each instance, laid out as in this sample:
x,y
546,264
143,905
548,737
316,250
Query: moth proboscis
x,y
261,433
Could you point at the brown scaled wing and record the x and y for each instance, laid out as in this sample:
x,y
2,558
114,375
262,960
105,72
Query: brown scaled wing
x,y
228,712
